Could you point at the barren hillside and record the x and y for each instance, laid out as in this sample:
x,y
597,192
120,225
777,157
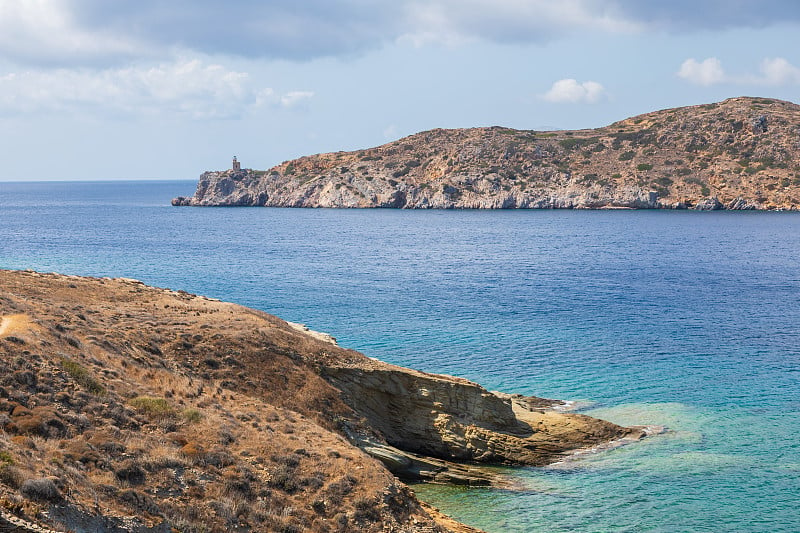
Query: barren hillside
x,y
742,153
131,408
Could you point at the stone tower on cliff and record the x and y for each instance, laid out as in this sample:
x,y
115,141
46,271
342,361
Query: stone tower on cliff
x,y
237,166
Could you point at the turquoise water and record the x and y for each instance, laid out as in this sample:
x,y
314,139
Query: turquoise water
x,y
687,320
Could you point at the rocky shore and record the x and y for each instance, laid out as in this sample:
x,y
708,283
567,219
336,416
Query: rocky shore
x,y
126,407
739,154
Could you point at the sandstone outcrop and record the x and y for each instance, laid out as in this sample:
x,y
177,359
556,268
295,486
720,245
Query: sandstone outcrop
x,y
454,419
743,152
127,407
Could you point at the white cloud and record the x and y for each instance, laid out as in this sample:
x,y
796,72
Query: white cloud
x,y
773,72
46,31
681,16
778,71
571,91
83,32
709,72
295,98
390,132
186,88
99,32
453,22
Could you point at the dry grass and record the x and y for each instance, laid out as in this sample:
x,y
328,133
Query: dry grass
x,y
139,402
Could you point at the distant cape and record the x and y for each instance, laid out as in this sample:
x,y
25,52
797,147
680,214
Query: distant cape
x,y
742,153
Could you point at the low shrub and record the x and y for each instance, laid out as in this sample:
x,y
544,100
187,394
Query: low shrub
x,y
130,472
152,407
139,501
82,377
283,477
366,510
192,415
40,489
10,476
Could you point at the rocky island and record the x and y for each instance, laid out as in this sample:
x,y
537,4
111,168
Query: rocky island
x,y
126,407
742,153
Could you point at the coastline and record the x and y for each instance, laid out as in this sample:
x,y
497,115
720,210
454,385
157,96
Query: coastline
x,y
702,158
435,426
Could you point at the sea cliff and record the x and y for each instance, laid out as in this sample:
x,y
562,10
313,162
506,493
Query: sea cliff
x,y
742,153
126,407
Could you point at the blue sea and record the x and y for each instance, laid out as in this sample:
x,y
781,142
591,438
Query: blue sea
x,y
682,319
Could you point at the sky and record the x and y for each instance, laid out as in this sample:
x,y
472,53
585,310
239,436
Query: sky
x,y
148,89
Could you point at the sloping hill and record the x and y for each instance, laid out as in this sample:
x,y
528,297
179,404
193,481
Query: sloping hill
x,y
131,408
742,153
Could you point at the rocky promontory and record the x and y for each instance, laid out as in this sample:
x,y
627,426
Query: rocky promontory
x,y
742,153
126,407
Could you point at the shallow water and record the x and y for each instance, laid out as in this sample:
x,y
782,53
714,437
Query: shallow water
x,y
687,320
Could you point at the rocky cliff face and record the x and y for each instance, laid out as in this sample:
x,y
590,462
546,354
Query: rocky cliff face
x,y
130,408
742,153
454,419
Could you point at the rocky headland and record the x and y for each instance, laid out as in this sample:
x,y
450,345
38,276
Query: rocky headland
x,y
742,153
126,407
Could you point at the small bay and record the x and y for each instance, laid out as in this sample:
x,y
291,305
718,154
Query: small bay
x,y
683,319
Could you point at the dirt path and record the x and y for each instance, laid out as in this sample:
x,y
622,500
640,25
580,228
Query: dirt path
x,y
13,324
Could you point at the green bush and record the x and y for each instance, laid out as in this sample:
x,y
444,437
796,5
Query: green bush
x,y
152,407
627,156
569,144
82,377
192,415
644,166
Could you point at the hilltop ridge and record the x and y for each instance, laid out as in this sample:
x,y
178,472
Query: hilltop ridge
x,y
741,153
